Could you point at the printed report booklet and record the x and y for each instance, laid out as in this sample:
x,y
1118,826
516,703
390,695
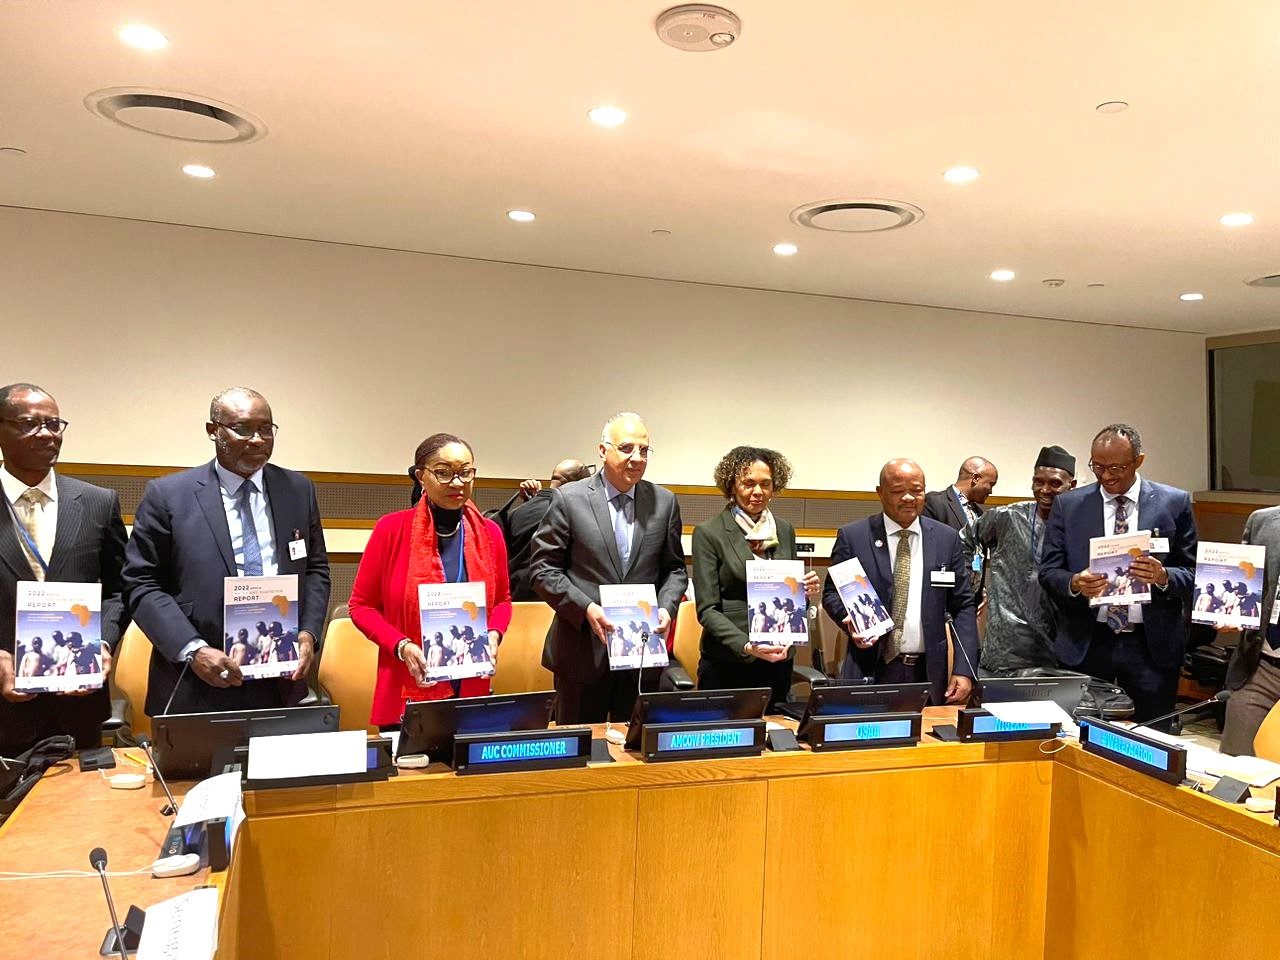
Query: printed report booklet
x,y
632,608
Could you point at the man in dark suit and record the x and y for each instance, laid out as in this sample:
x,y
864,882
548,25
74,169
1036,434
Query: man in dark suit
x,y
236,516
53,528
1253,676
961,504
916,565
1138,646
612,528
523,522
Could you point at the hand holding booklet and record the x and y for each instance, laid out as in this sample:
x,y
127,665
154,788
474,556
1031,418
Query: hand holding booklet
x,y
260,625
632,608
455,630
777,608
1110,557
57,637
1228,591
866,610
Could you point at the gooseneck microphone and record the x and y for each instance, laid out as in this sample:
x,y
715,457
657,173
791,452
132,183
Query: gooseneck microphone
x,y
1219,697
171,808
98,860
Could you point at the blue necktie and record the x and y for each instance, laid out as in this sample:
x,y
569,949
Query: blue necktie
x,y
620,533
249,532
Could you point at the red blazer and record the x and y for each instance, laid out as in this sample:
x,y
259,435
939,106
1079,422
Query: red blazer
x,y
378,608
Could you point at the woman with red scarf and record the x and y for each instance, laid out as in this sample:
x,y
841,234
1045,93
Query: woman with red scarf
x,y
443,539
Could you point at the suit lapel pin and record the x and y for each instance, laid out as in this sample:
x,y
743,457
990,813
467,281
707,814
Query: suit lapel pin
x,y
879,543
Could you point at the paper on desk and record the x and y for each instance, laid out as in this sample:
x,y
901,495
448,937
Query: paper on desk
x,y
1200,759
184,927
308,755
1030,711
210,799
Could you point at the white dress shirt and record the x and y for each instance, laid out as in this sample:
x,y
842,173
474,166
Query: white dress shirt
x,y
1109,529
230,484
912,631
46,514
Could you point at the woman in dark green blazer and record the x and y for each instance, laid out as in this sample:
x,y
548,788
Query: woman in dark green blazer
x,y
745,530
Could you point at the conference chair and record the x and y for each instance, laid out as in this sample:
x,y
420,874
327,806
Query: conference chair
x,y
520,668
348,672
1266,742
686,648
129,671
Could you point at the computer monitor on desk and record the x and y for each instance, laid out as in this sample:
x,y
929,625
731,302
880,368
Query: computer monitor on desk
x,y
429,726
684,706
1066,692
851,700
192,746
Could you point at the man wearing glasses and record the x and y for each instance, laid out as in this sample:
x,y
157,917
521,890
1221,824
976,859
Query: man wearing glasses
x,y
236,516
1138,646
52,528
614,527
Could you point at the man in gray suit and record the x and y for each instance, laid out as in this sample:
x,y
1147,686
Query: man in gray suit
x,y
52,528
1254,674
613,527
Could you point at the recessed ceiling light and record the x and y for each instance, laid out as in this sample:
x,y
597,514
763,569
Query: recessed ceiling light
x,y
521,216
661,232
143,37
1003,276
1095,286
961,175
1236,219
1191,297
199,171
785,249
12,152
1112,106
608,116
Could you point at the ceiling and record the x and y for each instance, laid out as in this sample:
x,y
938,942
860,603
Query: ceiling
x,y
416,124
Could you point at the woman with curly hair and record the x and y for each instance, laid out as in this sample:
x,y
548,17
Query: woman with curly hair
x,y
746,530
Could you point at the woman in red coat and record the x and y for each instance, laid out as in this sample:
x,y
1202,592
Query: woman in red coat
x,y
444,539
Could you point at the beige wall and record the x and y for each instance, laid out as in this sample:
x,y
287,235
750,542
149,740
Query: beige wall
x,y
363,352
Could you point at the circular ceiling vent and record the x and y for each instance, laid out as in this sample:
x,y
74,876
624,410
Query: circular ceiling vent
x,y
178,116
856,216
698,27
1271,281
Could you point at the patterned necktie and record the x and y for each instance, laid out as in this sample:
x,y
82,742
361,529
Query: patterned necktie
x,y
26,505
249,532
1118,616
622,503
901,593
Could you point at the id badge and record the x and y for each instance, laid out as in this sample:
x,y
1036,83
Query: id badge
x,y
297,549
942,578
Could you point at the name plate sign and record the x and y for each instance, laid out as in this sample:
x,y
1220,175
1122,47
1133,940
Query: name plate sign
x,y
699,740
859,731
1164,761
521,750
979,726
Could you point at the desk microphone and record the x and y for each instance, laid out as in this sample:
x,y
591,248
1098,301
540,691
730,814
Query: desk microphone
x,y
171,808
98,860
1219,697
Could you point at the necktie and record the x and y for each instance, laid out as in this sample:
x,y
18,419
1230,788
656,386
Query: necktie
x,y
249,532
1118,616
26,505
901,592
621,535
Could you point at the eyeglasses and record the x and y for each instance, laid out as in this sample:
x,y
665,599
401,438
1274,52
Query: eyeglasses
x,y
1110,469
446,476
30,426
627,449
246,431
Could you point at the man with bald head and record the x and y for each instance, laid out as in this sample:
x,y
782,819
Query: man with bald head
x,y
236,516
523,522
614,527
961,504
917,566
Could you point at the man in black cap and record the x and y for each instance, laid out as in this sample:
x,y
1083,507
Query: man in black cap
x,y
1020,628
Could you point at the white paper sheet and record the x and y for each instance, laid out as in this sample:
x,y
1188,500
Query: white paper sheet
x,y
210,799
1030,711
308,755
184,927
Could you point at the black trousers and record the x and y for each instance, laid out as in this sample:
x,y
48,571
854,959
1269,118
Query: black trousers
x,y
896,671
734,675
1123,659
611,697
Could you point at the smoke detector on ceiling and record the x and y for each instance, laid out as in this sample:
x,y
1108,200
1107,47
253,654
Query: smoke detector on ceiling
x,y
1270,281
698,27
178,116
856,216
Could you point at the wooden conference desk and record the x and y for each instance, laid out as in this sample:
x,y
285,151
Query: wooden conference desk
x,y
941,849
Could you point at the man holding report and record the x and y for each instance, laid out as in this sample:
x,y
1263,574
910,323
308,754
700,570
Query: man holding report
x,y
52,529
613,528
917,567
237,516
1140,645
